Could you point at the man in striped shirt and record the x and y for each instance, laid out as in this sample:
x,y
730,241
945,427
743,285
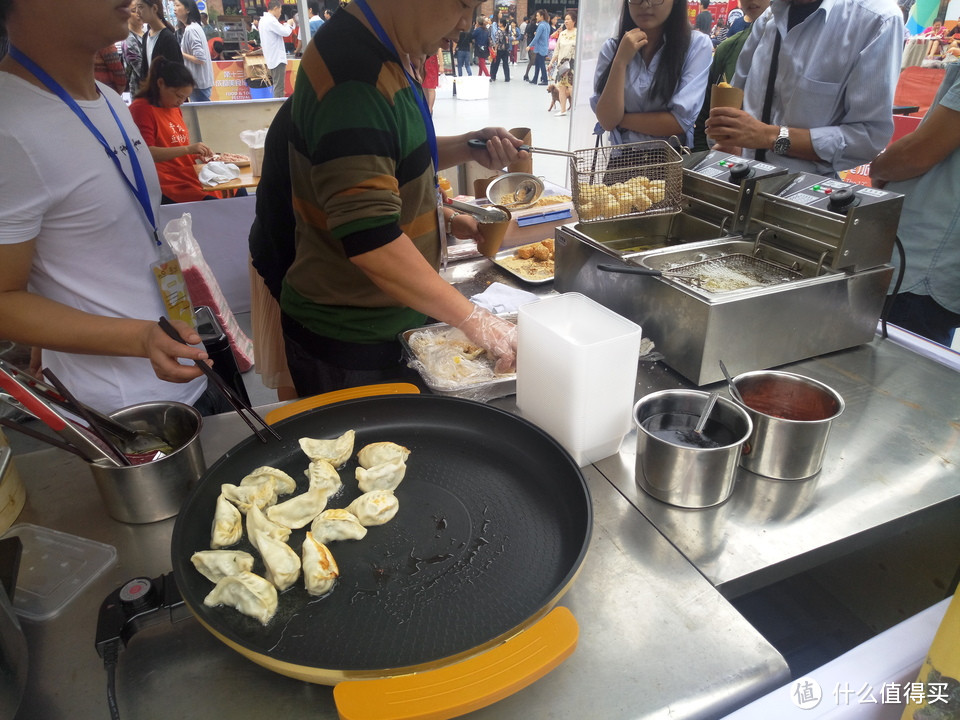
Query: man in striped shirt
x,y
368,239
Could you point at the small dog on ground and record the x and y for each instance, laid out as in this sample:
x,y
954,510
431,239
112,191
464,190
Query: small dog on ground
x,y
554,96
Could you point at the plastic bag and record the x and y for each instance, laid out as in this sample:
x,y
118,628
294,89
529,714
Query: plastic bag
x,y
204,288
450,364
254,139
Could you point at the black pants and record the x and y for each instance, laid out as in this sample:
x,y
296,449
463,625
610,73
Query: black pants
x,y
318,365
923,315
504,58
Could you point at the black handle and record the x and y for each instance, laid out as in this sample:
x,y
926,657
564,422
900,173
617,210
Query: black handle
x,y
629,270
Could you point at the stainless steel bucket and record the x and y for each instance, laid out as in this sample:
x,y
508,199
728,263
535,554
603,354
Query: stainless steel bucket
x,y
791,415
155,490
679,473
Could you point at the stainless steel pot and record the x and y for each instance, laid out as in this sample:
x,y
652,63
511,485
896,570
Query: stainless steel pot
x,y
791,415
677,472
154,490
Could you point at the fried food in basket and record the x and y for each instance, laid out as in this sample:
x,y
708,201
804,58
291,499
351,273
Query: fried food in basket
x,y
635,195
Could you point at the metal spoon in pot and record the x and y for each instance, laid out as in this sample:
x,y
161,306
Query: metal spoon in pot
x,y
733,388
696,437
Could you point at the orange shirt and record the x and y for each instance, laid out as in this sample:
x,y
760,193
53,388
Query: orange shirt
x,y
164,127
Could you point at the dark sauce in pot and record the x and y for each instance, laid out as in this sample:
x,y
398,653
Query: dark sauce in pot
x,y
677,428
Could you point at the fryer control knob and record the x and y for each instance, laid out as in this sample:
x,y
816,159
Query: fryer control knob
x,y
740,171
842,200
137,594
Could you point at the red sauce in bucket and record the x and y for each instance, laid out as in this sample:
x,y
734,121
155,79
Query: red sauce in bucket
x,y
787,398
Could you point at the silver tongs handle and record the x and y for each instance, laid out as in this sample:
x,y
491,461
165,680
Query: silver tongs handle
x,y
482,214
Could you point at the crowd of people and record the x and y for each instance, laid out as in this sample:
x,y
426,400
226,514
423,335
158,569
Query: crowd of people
x,y
363,219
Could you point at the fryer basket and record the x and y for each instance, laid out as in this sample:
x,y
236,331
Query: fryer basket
x,y
736,271
643,178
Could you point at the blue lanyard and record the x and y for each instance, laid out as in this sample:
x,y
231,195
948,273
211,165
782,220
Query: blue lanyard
x,y
417,93
140,191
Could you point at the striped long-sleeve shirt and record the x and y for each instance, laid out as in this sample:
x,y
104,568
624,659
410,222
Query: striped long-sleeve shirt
x,y
362,174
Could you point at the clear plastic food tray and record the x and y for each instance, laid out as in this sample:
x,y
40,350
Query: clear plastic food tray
x,y
481,391
54,568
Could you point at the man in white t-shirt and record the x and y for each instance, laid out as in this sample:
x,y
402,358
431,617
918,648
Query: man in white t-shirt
x,y
75,247
272,33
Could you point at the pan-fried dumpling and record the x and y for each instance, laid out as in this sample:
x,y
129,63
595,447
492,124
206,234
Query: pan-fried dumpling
x,y
261,494
337,524
375,507
281,562
218,564
323,477
248,593
320,570
258,524
227,524
385,476
336,452
283,482
299,510
379,453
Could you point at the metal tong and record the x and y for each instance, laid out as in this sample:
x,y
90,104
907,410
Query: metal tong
x,y
131,441
238,405
482,214
91,448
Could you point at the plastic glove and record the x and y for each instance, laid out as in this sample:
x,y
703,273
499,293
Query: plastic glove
x,y
495,335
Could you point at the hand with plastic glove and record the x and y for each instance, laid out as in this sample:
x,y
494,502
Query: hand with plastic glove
x,y
495,335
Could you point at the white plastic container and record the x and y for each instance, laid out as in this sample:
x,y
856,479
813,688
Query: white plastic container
x,y
577,372
472,87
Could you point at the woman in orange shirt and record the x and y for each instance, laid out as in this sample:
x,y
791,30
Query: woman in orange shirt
x,y
156,111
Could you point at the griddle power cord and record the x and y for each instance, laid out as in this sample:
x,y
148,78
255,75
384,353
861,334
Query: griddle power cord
x,y
892,297
111,652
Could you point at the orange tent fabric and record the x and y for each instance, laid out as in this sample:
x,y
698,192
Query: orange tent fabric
x,y
918,86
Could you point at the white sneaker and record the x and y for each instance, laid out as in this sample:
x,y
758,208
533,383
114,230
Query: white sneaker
x,y
560,114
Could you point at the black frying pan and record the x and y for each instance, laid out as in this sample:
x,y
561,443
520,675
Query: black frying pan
x,y
494,522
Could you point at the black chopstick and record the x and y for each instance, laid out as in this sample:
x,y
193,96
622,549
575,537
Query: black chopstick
x,y
37,435
238,405
78,407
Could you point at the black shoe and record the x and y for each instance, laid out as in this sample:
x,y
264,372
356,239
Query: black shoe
x,y
543,83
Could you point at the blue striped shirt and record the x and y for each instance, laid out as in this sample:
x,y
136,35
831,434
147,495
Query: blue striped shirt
x,y
837,75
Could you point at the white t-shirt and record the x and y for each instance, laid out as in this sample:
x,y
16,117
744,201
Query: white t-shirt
x,y
272,33
151,44
93,250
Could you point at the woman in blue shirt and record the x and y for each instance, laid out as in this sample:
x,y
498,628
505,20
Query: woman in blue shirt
x,y
540,45
651,79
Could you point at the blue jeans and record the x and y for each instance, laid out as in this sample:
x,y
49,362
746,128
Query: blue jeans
x,y
923,315
539,68
200,95
463,61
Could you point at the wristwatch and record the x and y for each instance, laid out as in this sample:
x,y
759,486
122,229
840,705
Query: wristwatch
x,y
781,146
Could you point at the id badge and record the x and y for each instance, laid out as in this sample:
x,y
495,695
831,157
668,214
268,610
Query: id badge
x,y
173,290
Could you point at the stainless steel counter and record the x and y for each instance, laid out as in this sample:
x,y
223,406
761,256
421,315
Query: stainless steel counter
x,y
891,461
655,637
